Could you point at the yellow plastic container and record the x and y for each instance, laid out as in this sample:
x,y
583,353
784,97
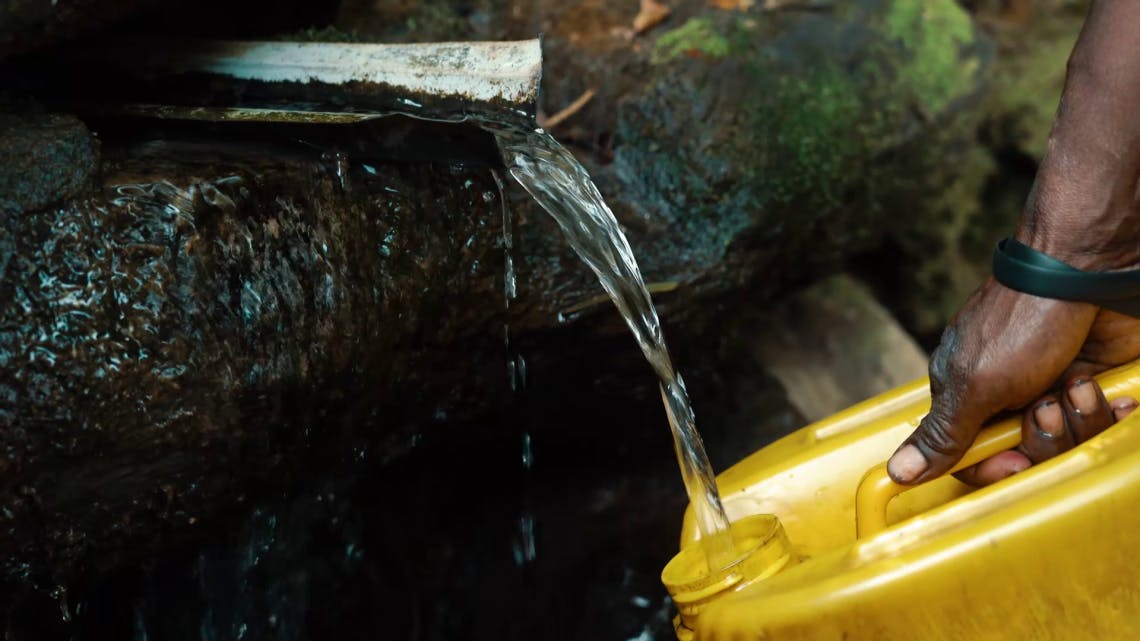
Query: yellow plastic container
x,y
1045,554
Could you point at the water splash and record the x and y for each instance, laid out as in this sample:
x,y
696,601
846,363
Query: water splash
x,y
559,183
510,289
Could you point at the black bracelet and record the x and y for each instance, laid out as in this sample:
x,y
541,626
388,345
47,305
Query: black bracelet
x,y
1022,268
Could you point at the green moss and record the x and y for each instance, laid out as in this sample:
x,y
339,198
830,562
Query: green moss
x,y
822,127
698,35
820,122
808,130
933,33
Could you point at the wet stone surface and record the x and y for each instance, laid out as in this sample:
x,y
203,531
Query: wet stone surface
x,y
752,147
211,312
222,355
550,519
45,159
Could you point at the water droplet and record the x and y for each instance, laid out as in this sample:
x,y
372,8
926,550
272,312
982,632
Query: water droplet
x,y
60,595
524,551
527,454
510,286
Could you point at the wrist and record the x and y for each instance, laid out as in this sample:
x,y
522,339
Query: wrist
x,y
1086,236
1083,207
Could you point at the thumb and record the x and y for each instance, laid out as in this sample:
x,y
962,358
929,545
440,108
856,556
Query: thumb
x,y
933,448
944,434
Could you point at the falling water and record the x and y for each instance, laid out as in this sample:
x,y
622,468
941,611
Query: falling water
x,y
560,184
524,544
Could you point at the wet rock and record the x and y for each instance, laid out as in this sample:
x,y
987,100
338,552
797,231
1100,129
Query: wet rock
x,y
759,147
772,146
215,309
227,314
44,159
578,474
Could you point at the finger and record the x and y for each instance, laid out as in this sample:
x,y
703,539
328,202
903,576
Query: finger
x,y
955,417
1042,436
941,439
995,355
1044,430
997,467
1087,412
1122,407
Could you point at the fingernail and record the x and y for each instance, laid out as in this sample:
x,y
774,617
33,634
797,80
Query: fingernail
x,y
907,464
1049,419
1122,407
1083,396
1123,403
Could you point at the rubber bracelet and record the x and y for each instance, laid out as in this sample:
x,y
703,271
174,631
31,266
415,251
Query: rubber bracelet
x,y
1024,269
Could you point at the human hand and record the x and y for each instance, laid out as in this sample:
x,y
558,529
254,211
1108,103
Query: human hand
x,y
1005,350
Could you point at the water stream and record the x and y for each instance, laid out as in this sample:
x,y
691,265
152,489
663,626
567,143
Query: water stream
x,y
560,184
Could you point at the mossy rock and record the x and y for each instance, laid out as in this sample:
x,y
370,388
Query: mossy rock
x,y
940,265
777,144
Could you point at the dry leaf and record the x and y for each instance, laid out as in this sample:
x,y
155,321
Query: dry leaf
x,y
649,15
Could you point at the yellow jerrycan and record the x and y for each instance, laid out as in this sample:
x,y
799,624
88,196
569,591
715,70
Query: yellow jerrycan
x,y
831,548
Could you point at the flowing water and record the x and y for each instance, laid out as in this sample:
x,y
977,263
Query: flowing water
x,y
560,184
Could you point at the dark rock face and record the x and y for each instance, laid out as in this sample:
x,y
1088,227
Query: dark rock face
x,y
804,130
777,147
758,147
44,159
213,309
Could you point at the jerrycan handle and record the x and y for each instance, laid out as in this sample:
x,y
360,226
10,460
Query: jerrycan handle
x,y
877,489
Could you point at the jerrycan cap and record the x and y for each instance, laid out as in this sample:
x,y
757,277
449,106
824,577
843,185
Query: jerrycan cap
x,y
763,549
